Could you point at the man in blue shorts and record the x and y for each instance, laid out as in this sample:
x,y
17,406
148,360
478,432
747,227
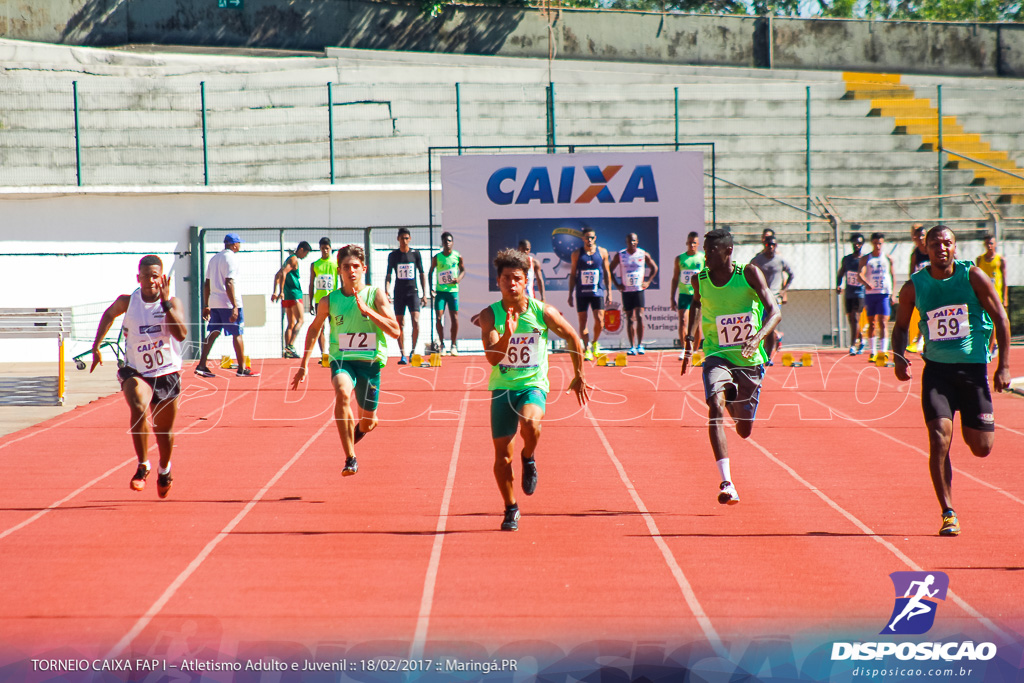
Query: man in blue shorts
x,y
515,336
958,306
360,315
876,273
222,306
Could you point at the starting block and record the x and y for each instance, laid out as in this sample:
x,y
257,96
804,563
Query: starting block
x,y
620,360
435,360
225,362
325,361
602,360
787,360
882,359
416,360
807,360
698,359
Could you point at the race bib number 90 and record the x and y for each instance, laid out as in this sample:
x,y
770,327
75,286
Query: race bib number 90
x,y
734,330
405,271
523,352
948,323
324,282
355,341
446,277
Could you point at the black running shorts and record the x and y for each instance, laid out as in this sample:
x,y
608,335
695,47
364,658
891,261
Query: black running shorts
x,y
950,387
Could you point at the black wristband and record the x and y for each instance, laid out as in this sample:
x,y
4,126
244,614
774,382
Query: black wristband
x,y
166,305
688,338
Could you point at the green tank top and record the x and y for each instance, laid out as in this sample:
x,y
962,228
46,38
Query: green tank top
x,y
525,366
955,327
325,278
354,336
688,267
292,290
729,315
447,272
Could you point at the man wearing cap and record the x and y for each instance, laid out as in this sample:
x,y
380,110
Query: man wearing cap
x,y
222,305
323,279
288,289
779,277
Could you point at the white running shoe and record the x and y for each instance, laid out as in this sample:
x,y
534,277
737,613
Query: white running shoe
x,y
682,355
727,494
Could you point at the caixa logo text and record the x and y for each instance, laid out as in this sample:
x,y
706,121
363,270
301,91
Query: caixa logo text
x,y
948,652
504,186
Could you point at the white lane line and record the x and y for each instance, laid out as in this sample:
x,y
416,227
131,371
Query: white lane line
x,y
112,470
427,601
923,452
684,585
889,546
144,620
53,426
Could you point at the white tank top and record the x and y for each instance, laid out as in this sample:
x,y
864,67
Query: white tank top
x,y
149,347
631,269
879,275
530,277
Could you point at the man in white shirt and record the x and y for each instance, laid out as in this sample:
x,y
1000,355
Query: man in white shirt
x,y
222,306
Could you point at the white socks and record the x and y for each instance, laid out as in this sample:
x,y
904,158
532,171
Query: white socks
x,y
723,469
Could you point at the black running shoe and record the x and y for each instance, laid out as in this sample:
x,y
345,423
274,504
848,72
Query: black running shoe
x,y
529,476
511,521
351,466
139,480
163,484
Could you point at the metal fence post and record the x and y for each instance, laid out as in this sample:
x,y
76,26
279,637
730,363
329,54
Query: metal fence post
x,y
330,126
677,116
551,118
78,135
369,254
807,160
458,118
938,99
196,281
206,146
280,259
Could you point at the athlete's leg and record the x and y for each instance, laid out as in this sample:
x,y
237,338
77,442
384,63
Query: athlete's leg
x,y
584,335
883,332
683,317
503,473
940,433
415,317
164,413
239,351
297,322
598,323
439,307
530,416
322,339
401,332
138,394
854,329
343,416
629,326
207,347
716,425
455,324
980,442
639,326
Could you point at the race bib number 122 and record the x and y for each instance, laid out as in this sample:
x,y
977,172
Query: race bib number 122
x,y
734,330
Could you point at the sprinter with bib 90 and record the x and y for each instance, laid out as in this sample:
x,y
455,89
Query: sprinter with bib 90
x,y
360,316
515,337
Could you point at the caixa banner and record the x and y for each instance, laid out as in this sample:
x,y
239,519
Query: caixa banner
x,y
548,202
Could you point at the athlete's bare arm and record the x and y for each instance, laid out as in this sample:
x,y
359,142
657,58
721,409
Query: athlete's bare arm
x,y
901,331
430,273
607,274
384,315
612,267
560,326
649,263
572,274
495,345
323,309
291,264
674,287
538,276
985,290
115,309
772,313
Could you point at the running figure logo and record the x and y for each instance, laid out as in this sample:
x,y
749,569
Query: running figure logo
x,y
916,601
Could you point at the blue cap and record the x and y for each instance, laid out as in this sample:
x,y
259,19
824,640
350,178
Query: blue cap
x,y
232,238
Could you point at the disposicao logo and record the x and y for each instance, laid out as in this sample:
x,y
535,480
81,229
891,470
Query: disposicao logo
x,y
503,187
917,596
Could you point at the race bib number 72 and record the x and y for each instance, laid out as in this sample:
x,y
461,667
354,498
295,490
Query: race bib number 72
x,y
735,329
354,341
948,323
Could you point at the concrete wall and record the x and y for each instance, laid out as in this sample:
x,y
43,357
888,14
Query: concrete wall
x,y
837,44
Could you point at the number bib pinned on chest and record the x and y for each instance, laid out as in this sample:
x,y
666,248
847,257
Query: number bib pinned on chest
x,y
948,323
350,342
734,329
405,271
523,352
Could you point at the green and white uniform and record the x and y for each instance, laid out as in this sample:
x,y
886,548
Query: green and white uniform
x,y
325,278
688,267
730,315
522,375
358,346
292,290
447,281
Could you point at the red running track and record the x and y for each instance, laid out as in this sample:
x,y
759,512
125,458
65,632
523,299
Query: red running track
x,y
263,547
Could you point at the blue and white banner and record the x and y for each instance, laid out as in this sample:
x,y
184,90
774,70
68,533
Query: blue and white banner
x,y
496,201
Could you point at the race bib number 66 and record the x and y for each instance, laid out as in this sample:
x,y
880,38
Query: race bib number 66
x,y
735,329
523,352
948,323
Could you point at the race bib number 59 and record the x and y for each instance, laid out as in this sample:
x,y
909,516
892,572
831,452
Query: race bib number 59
x,y
948,323
523,352
734,330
